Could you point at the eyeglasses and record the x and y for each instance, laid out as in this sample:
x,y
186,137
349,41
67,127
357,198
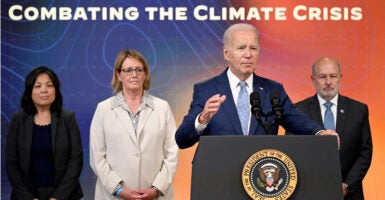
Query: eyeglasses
x,y
129,71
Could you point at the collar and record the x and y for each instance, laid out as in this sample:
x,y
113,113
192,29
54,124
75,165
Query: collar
x,y
234,80
119,101
322,101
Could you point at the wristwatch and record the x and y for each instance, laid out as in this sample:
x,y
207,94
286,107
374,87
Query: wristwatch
x,y
156,189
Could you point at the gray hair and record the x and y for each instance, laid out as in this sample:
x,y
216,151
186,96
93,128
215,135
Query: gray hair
x,y
234,27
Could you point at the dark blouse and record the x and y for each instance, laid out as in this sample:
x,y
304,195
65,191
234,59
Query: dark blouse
x,y
42,161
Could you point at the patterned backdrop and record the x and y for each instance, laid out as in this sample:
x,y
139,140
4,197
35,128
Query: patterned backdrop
x,y
181,41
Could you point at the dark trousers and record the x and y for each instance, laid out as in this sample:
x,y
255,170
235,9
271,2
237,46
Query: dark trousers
x,y
45,192
356,194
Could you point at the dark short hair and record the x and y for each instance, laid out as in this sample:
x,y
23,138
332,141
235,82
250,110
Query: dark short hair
x,y
26,100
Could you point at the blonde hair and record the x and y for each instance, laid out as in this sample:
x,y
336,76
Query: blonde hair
x,y
115,83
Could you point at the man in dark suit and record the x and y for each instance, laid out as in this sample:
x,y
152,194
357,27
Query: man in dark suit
x,y
213,110
351,122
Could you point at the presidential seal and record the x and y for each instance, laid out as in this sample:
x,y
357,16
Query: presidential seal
x,y
269,174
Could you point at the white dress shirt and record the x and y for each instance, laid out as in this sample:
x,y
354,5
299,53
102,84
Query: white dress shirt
x,y
235,88
333,108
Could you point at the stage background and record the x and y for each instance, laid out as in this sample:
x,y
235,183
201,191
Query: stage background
x,y
183,52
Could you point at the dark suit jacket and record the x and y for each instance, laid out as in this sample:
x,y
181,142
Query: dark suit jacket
x,y
226,120
68,156
355,137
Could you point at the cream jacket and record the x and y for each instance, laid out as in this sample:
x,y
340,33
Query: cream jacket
x,y
117,154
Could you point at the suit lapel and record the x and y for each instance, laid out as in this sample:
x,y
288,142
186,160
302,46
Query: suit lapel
x,y
54,133
257,87
144,116
125,120
54,120
315,110
28,140
342,112
229,106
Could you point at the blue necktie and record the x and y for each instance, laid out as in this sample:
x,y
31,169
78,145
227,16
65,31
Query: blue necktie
x,y
328,118
243,107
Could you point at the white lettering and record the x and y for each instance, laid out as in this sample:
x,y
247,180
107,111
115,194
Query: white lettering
x,y
65,13
131,13
151,12
180,13
46,14
200,12
13,10
266,11
302,12
80,13
31,13
94,11
197,12
299,12
238,14
170,13
253,14
356,13
280,13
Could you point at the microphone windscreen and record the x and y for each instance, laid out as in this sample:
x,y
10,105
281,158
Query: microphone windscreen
x,y
274,95
255,99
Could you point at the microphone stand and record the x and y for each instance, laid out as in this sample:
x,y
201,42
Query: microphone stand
x,y
258,113
265,123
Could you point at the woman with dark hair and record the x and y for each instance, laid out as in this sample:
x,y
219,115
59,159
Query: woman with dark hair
x,y
43,153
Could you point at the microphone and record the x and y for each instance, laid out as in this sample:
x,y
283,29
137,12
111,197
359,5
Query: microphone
x,y
256,108
276,104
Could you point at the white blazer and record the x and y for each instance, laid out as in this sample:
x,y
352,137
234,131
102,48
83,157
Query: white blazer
x,y
117,154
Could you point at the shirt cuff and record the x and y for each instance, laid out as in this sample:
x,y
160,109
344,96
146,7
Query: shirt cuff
x,y
348,188
157,190
198,126
319,132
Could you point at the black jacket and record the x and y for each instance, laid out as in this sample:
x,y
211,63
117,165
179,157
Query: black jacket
x,y
356,146
67,150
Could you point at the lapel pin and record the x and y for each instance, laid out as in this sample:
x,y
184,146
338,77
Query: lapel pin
x,y
342,111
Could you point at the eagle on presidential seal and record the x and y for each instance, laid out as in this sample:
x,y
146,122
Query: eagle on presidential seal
x,y
269,174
